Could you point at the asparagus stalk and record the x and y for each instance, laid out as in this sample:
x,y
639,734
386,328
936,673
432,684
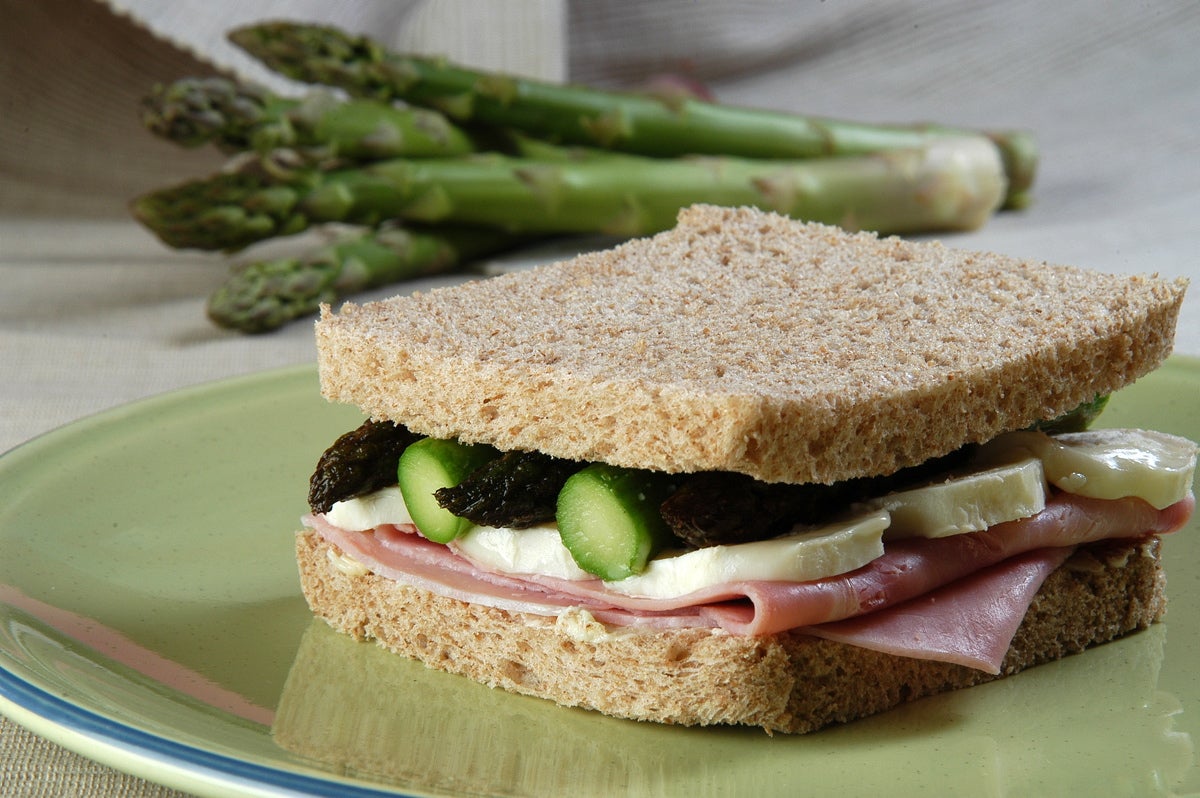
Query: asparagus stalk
x,y
947,184
581,115
516,490
239,117
260,296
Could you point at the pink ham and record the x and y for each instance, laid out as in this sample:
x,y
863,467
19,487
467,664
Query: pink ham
x,y
907,570
968,622
913,567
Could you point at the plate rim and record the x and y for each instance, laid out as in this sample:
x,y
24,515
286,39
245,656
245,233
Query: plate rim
x,y
156,758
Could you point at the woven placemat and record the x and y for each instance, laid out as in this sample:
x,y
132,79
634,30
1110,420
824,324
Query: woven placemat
x,y
31,767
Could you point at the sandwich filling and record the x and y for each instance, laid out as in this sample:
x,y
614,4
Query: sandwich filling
x,y
941,567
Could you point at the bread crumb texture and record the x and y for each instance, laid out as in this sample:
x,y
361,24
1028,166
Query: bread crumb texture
x,y
787,682
746,341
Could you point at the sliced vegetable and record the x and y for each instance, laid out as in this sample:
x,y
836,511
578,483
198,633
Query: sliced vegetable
x,y
1076,420
609,519
429,465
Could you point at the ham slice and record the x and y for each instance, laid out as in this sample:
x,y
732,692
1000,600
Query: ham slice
x,y
908,569
915,566
968,622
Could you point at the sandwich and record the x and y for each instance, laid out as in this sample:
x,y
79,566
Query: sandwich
x,y
747,471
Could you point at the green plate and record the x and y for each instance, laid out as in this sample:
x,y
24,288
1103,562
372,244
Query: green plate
x,y
150,618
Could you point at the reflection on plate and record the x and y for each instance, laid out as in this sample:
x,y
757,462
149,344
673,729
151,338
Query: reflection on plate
x,y
362,710
150,618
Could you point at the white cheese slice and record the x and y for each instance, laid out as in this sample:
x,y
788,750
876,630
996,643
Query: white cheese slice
x,y
533,550
1107,463
384,506
801,556
966,502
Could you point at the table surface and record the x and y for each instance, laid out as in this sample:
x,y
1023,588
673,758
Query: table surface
x,y
95,313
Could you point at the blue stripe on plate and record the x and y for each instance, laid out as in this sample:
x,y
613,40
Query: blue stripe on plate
x,y
143,745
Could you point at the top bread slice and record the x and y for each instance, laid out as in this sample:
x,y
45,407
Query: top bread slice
x,y
746,341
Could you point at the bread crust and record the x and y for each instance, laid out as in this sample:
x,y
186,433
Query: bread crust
x,y
787,682
745,341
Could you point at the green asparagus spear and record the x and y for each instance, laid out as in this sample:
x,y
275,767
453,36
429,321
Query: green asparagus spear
x,y
573,114
260,296
239,117
948,184
358,462
1076,420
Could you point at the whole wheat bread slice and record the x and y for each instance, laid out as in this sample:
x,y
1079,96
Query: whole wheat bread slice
x,y
787,682
745,341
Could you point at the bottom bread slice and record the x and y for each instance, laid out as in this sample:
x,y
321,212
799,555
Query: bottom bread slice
x,y
788,682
